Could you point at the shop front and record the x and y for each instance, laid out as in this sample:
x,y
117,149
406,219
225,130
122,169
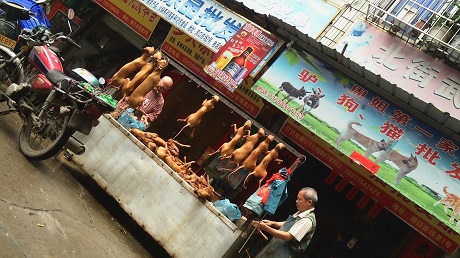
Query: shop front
x,y
367,156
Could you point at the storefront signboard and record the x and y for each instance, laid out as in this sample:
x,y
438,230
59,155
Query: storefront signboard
x,y
194,55
240,55
206,21
133,13
414,158
373,187
309,17
422,75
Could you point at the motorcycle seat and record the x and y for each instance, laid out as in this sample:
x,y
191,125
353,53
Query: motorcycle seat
x,y
56,76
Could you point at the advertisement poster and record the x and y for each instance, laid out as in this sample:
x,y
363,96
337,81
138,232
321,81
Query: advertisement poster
x,y
216,167
133,13
422,75
193,55
240,55
309,17
414,158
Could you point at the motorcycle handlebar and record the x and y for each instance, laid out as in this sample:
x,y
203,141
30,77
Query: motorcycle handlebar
x,y
46,37
73,42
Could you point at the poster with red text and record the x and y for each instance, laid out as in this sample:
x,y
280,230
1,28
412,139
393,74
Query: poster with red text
x,y
240,55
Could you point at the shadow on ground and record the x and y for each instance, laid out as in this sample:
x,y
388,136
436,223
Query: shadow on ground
x,y
112,206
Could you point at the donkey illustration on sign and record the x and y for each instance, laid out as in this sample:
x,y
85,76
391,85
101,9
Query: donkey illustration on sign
x,y
291,91
311,100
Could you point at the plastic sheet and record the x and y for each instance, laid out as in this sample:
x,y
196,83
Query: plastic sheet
x,y
128,121
230,210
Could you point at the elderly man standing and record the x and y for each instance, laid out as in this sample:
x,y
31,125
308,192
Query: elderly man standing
x,y
291,237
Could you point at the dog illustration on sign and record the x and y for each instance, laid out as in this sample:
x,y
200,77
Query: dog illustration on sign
x,y
369,144
405,164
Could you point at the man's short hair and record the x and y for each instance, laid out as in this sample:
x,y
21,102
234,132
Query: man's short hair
x,y
310,194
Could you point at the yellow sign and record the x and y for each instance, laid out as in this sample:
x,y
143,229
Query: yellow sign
x,y
135,14
7,42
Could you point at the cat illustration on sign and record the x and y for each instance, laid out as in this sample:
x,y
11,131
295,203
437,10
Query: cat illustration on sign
x,y
451,201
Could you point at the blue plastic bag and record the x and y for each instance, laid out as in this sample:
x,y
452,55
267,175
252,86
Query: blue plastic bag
x,y
128,121
230,210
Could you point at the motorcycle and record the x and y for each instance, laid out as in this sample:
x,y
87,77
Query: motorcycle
x,y
51,104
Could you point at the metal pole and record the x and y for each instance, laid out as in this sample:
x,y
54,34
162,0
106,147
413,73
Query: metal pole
x,y
255,228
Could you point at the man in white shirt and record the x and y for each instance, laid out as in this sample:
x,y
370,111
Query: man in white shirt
x,y
291,237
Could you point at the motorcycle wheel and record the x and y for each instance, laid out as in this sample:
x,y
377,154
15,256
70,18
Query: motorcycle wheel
x,y
39,142
11,73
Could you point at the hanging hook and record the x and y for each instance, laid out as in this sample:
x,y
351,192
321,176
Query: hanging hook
x,y
299,161
303,159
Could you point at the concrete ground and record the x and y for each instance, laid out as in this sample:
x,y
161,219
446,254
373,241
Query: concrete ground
x,y
49,209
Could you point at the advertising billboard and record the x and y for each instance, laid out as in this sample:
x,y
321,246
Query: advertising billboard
x,y
414,158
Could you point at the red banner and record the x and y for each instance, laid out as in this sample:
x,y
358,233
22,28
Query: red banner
x,y
385,195
419,246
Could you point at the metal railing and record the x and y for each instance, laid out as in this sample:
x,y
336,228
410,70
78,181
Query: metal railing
x,y
429,25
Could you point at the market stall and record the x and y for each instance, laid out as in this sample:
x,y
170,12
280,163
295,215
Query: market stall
x,y
155,196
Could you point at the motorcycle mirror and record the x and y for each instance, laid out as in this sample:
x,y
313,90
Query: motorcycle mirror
x,y
70,16
101,81
70,13
47,8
